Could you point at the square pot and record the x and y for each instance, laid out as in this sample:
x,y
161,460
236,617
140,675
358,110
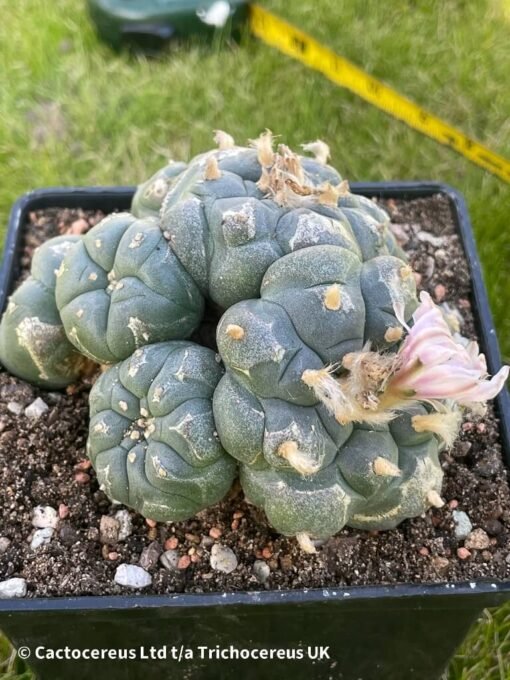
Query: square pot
x,y
398,632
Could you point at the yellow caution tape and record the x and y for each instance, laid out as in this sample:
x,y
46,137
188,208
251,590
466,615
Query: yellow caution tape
x,y
295,43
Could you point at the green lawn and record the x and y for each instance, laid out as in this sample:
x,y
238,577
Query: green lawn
x,y
71,112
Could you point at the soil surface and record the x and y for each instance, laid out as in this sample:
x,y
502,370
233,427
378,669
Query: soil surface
x,y
43,462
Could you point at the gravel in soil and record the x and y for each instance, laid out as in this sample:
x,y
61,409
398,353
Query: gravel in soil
x,y
43,462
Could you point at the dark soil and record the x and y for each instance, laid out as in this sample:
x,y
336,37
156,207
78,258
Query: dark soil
x,y
42,462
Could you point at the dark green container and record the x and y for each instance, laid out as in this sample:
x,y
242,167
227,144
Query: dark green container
x,y
148,25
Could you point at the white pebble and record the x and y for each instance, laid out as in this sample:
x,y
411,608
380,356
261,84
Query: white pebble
x,y
13,587
41,537
44,516
109,528
131,576
461,339
4,544
477,540
15,407
463,525
125,524
36,408
261,571
427,237
223,558
170,559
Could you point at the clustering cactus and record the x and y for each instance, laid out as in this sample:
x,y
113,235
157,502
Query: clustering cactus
x,y
333,390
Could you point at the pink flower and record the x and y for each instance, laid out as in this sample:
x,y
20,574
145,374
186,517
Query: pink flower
x,y
429,367
433,366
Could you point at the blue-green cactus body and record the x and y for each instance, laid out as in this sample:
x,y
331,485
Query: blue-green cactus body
x,y
310,473
121,287
153,440
33,343
308,275
227,231
149,195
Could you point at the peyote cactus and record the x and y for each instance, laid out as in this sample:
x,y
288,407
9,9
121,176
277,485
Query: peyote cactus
x,y
33,343
152,435
339,389
121,287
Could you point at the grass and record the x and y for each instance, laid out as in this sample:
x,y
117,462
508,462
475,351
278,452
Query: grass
x,y
71,112
485,654
12,668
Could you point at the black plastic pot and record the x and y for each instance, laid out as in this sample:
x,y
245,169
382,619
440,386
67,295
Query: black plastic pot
x,y
402,632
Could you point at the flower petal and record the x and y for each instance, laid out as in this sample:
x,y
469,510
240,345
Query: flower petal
x,y
434,366
439,382
486,389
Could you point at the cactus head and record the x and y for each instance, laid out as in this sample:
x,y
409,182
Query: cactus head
x,y
312,469
121,287
33,343
152,436
312,475
236,210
